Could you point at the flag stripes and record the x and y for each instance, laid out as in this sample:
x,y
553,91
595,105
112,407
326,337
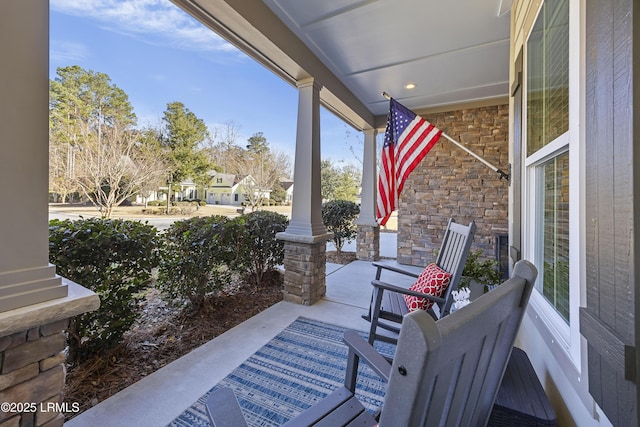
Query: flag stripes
x,y
408,138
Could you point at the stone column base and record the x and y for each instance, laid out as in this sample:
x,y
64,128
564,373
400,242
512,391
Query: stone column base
x,y
33,357
368,242
305,265
32,373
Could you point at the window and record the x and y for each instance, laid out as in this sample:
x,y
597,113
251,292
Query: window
x,y
547,151
555,233
548,76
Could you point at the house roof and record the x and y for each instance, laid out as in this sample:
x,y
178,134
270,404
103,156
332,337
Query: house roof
x,y
286,184
228,180
456,53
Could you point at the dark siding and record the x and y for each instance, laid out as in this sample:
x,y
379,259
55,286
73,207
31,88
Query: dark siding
x,y
608,321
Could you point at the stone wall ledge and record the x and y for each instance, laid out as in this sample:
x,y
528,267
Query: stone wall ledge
x,y
300,238
79,300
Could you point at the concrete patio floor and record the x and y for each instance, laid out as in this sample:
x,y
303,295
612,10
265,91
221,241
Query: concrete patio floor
x,y
157,399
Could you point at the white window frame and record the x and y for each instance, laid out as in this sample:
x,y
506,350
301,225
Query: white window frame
x,y
564,336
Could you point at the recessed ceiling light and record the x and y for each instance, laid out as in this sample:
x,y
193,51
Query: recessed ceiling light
x,y
410,86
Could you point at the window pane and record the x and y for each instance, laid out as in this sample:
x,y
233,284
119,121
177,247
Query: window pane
x,y
555,283
548,76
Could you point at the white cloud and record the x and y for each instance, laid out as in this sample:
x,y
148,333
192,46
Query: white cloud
x,y
68,52
160,19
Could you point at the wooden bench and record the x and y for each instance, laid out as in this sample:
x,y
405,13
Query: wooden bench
x,y
444,373
521,400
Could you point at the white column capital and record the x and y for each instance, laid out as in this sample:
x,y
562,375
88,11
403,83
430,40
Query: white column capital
x,y
307,82
369,132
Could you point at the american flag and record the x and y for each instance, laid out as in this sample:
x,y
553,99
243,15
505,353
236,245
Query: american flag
x,y
407,140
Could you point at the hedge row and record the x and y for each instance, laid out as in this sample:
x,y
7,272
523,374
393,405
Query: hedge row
x,y
194,257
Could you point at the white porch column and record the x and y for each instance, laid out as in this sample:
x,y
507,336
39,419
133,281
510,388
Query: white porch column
x,y
25,274
306,236
35,304
306,211
368,239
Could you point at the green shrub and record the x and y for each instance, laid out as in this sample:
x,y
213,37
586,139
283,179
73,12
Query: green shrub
x,y
183,208
484,272
196,255
113,258
258,250
339,218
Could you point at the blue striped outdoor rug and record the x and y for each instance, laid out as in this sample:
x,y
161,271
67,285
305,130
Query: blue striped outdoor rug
x,y
298,367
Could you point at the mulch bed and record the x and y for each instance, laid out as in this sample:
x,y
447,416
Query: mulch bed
x,y
341,258
164,333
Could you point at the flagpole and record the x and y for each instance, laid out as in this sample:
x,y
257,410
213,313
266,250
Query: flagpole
x,y
502,173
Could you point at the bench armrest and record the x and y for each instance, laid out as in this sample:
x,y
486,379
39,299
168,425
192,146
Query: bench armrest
x,y
393,288
359,348
223,409
396,268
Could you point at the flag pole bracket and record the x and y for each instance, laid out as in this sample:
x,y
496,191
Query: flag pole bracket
x,y
504,175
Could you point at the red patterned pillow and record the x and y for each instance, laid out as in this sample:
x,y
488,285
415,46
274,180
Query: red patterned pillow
x,y
432,281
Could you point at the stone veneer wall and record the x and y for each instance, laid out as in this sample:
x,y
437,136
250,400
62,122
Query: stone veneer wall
x,y
449,182
368,242
305,272
32,375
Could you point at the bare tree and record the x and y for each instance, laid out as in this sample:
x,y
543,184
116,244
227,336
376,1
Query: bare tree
x,y
265,171
62,169
222,146
89,113
356,143
114,168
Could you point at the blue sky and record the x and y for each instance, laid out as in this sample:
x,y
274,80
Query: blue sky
x,y
158,54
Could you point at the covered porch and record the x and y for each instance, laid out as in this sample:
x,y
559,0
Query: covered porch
x,y
340,55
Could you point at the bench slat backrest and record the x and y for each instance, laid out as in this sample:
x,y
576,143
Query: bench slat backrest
x,y
452,256
447,373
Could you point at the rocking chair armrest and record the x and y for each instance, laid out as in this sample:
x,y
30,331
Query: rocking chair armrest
x,y
407,271
367,353
393,288
223,408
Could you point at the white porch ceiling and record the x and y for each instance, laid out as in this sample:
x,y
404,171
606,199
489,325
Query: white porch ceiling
x,y
453,51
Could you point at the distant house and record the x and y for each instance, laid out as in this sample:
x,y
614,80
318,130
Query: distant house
x,y
186,189
223,189
288,187
230,189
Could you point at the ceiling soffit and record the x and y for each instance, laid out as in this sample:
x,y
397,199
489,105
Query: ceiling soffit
x,y
455,52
